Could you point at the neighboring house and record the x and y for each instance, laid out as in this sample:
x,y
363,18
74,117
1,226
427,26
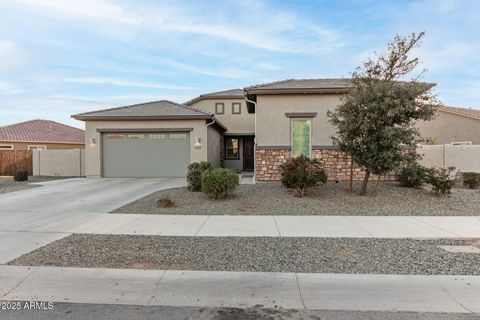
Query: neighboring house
x,y
452,125
153,139
40,135
230,108
256,128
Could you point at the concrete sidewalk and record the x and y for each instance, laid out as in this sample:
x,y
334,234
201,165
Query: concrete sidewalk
x,y
454,294
272,226
62,204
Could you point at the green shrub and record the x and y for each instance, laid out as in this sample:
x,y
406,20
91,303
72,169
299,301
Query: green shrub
x,y
20,176
301,173
165,202
439,179
471,179
411,175
219,183
194,175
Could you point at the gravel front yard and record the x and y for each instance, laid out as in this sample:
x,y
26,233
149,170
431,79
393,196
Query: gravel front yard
x,y
10,185
336,255
333,199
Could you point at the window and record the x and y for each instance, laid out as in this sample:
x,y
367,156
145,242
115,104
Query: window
x,y
6,147
115,136
219,108
301,137
135,136
156,136
231,148
236,108
177,135
37,147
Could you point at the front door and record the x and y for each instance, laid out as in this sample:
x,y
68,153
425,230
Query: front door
x,y
248,153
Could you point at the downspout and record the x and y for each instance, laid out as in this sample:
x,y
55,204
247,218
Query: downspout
x,y
254,141
213,121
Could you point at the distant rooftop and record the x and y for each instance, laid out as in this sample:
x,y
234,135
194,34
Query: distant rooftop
x,y
466,112
226,94
40,130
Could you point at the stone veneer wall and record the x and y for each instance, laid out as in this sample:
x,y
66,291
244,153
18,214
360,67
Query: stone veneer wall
x,y
336,164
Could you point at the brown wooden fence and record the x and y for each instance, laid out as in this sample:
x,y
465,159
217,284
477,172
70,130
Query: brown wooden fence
x,y
15,160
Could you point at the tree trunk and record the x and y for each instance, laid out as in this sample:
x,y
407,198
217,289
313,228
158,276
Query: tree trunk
x,y
351,176
364,184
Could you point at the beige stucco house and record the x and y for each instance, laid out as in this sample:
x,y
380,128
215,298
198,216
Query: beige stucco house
x,y
153,139
452,125
252,129
230,108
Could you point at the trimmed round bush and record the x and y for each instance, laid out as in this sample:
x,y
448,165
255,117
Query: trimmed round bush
x,y
471,179
411,175
194,175
219,183
20,176
301,173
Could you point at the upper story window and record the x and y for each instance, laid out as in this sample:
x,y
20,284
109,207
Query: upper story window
x,y
219,108
236,108
301,137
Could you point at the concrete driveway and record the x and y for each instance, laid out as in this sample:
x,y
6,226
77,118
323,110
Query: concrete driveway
x,y
27,215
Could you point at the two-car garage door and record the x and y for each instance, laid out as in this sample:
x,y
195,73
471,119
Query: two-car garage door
x,y
145,154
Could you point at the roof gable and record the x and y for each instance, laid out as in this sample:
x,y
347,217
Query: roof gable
x,y
162,109
45,131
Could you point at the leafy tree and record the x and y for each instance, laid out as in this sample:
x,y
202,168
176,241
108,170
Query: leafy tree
x,y
377,117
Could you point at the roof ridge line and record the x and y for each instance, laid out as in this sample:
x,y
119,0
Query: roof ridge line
x,y
268,83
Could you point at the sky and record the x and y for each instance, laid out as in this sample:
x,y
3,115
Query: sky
x,y
60,57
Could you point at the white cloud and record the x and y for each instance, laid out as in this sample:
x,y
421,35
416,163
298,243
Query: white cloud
x,y
231,72
95,9
27,106
124,83
448,55
6,88
278,30
6,48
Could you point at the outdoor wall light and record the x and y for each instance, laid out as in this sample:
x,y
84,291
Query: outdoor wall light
x,y
92,141
197,144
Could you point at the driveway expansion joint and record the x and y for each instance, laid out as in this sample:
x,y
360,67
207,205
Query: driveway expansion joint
x,y
300,292
202,225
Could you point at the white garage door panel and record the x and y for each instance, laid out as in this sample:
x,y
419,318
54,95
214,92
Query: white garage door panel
x,y
146,154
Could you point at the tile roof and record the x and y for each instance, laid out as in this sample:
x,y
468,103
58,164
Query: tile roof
x,y
39,130
226,94
465,112
333,83
328,85
162,109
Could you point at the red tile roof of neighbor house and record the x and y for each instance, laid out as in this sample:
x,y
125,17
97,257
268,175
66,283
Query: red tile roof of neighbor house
x,y
465,112
39,130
